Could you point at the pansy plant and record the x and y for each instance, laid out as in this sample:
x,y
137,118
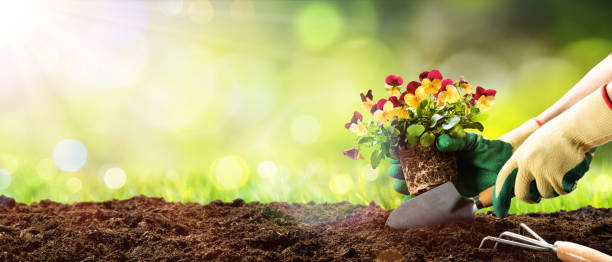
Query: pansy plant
x,y
417,114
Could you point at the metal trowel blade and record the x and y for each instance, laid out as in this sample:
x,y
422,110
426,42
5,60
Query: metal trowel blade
x,y
443,204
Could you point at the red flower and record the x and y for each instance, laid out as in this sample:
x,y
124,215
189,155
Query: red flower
x,y
357,117
486,92
446,82
352,153
394,80
381,103
423,75
479,92
368,95
434,74
394,100
412,86
490,92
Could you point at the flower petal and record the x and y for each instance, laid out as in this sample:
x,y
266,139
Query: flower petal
x,y
412,86
352,153
490,92
394,80
423,75
381,102
434,74
394,100
388,106
446,82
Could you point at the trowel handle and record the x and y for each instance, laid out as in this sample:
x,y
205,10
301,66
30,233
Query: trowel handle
x,y
485,198
572,252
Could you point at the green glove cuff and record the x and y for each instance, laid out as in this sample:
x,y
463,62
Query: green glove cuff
x,y
400,187
395,171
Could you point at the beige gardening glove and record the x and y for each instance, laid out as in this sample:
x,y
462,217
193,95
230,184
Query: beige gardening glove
x,y
557,154
517,136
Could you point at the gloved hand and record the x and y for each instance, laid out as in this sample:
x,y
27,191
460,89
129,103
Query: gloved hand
x,y
399,185
556,155
479,161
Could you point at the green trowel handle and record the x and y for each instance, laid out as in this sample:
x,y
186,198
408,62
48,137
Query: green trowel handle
x,y
485,198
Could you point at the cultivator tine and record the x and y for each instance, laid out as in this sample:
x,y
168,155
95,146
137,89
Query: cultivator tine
x,y
531,232
538,244
513,243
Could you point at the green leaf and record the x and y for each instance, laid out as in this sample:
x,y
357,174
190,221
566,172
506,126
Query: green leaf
x,y
365,139
451,122
434,119
375,158
479,117
474,125
422,106
415,129
413,132
427,139
457,132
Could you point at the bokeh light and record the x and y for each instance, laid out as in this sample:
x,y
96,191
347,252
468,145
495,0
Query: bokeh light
x,y
70,155
229,172
171,7
318,24
340,184
201,11
267,169
9,163
46,169
305,129
603,184
369,173
242,9
5,178
114,178
74,184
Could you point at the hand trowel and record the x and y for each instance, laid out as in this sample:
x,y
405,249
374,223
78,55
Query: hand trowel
x,y
442,204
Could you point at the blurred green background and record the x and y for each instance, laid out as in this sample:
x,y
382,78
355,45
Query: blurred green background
x,y
201,100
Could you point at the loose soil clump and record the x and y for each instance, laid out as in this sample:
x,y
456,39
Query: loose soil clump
x,y
144,229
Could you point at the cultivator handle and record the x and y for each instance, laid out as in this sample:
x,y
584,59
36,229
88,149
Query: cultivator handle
x,y
485,198
572,252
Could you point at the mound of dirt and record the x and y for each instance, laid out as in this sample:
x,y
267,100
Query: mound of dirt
x,y
143,228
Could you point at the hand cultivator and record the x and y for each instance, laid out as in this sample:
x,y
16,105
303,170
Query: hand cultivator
x,y
565,251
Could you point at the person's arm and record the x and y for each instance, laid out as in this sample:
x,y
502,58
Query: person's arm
x,y
598,76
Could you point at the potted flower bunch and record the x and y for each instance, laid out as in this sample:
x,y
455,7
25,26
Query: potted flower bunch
x,y
405,125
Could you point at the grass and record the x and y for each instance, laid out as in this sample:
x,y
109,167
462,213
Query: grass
x,y
194,186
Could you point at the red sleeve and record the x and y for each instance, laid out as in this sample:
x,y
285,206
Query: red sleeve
x,y
606,98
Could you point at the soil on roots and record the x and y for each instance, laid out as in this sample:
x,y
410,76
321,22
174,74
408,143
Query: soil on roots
x,y
143,228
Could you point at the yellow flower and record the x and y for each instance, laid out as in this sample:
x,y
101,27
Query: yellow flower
x,y
358,128
367,100
388,112
393,90
465,85
448,96
485,102
401,112
420,93
430,86
410,100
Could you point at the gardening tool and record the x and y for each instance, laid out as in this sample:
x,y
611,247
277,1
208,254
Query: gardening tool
x,y
442,204
565,251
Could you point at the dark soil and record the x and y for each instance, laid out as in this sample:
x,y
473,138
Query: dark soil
x,y
145,228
